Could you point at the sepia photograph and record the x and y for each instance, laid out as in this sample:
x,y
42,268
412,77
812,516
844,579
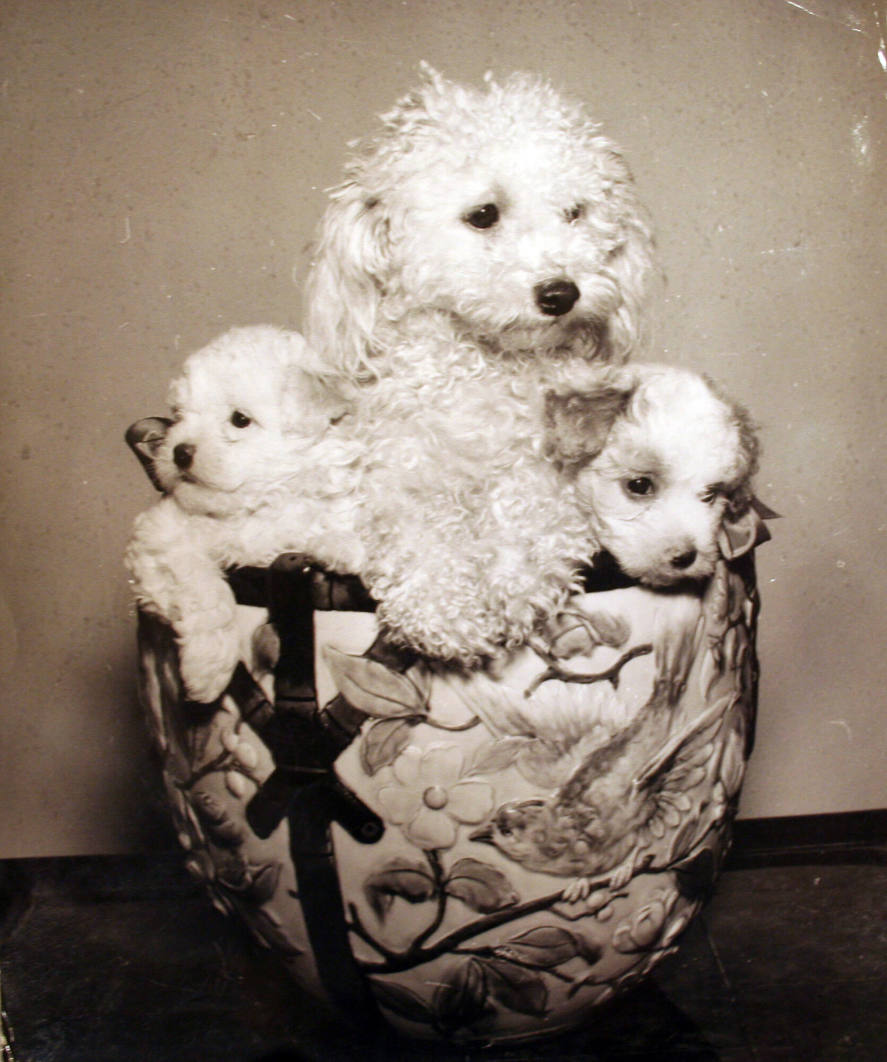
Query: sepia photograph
x,y
442,569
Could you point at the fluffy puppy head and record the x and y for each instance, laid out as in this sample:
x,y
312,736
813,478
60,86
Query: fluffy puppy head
x,y
503,211
660,457
244,414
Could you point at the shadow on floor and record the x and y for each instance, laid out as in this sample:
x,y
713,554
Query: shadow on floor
x,y
124,959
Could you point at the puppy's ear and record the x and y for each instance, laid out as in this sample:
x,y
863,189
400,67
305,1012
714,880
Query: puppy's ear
x,y
748,457
144,438
345,284
577,423
748,439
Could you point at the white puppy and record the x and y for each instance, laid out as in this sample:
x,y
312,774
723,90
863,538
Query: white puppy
x,y
250,468
483,243
660,457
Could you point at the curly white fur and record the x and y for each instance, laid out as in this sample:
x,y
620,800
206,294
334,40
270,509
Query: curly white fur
x,y
658,456
250,468
465,560
483,245
403,251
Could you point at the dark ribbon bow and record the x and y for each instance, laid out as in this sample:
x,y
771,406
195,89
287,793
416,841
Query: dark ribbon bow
x,y
741,534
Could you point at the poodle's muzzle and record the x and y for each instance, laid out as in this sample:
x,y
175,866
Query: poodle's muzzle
x,y
556,297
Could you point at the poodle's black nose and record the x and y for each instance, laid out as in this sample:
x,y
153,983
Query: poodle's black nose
x,y
683,560
556,297
183,455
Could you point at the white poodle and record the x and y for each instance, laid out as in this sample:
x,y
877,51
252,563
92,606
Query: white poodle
x,y
660,458
490,226
483,245
250,468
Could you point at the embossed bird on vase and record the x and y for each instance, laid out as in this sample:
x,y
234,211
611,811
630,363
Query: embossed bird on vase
x,y
632,798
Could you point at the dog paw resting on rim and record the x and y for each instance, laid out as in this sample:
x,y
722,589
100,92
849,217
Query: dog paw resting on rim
x,y
250,468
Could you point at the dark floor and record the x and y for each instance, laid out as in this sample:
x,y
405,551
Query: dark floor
x,y
111,959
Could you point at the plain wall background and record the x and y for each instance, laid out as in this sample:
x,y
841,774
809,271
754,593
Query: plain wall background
x,y
163,168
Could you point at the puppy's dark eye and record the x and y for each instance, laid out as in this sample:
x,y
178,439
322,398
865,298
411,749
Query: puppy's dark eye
x,y
575,212
640,486
710,496
240,420
482,217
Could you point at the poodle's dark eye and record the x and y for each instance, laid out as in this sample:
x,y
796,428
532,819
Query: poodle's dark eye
x,y
575,212
710,496
640,486
482,217
240,420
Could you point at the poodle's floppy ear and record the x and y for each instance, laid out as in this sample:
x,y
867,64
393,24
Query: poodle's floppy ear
x,y
577,422
632,266
350,268
344,286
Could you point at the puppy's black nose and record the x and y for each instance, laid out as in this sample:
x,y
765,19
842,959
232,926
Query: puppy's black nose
x,y
183,455
556,297
682,561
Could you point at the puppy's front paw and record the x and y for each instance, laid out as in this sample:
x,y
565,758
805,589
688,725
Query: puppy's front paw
x,y
207,661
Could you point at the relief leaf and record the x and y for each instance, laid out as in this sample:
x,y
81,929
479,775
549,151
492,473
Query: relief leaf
x,y
264,882
461,996
497,755
220,827
372,687
542,948
580,633
402,1001
270,934
516,988
409,881
481,887
382,743
610,630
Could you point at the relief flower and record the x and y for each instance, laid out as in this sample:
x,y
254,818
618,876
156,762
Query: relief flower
x,y
431,799
645,928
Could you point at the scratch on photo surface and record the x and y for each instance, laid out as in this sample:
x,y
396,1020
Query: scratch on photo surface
x,y
851,25
882,44
842,17
844,725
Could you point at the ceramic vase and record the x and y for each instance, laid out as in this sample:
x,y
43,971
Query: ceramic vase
x,y
476,857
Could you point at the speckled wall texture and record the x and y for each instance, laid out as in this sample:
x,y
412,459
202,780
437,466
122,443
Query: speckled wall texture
x,y
163,165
